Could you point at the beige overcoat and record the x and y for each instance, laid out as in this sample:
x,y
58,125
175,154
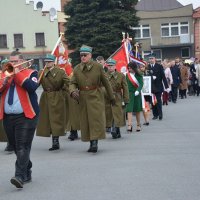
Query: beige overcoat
x,y
184,77
52,117
120,91
88,79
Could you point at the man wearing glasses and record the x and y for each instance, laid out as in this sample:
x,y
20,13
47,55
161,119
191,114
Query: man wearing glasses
x,y
19,110
85,87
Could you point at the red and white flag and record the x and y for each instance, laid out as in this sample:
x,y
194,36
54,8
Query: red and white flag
x,y
62,58
123,56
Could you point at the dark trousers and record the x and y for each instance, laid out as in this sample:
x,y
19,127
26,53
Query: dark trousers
x,y
20,132
157,108
174,93
183,93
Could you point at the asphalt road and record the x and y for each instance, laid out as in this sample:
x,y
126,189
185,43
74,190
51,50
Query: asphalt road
x,y
162,162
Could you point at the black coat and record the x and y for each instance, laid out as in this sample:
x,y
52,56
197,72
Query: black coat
x,y
176,75
157,84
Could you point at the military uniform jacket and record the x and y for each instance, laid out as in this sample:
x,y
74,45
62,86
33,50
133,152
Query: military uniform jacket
x,y
120,91
52,103
89,78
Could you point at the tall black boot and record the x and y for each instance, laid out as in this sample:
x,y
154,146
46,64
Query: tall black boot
x,y
93,146
118,133
73,135
114,132
55,143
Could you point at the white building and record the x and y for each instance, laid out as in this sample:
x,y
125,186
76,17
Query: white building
x,y
29,30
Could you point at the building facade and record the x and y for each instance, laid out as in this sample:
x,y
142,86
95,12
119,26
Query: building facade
x,y
165,28
31,31
196,17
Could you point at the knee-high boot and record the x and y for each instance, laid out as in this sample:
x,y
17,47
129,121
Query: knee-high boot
x,y
55,143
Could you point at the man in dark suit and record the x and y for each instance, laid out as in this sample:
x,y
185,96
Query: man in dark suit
x,y
158,79
176,75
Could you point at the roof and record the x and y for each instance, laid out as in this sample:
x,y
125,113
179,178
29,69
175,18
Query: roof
x,y
157,5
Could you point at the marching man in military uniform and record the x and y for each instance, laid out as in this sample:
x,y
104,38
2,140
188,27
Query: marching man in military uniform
x,y
85,87
115,116
52,102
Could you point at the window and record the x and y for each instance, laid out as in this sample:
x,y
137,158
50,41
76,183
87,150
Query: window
x,y
18,40
158,53
142,31
3,41
185,52
184,27
174,29
40,40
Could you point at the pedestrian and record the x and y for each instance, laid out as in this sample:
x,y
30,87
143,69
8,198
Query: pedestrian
x,y
19,111
135,83
101,60
176,75
85,87
198,75
168,75
184,79
115,116
158,79
52,118
147,98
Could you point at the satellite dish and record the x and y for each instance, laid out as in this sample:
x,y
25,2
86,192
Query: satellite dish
x,y
52,13
39,5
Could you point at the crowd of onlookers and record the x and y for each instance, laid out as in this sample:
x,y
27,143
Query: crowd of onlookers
x,y
183,78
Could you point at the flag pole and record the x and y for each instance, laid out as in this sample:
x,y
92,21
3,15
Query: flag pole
x,y
58,41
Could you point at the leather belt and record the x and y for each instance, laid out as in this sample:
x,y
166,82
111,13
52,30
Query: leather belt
x,y
87,88
50,90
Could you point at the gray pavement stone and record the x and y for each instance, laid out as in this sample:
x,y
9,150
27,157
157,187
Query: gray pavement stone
x,y
159,163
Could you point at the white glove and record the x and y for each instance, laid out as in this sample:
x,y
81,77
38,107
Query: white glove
x,y
167,90
136,93
154,77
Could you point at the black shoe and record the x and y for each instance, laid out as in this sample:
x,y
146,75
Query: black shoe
x,y
73,135
146,124
54,147
174,101
160,117
93,146
9,149
55,143
116,134
130,128
155,118
17,182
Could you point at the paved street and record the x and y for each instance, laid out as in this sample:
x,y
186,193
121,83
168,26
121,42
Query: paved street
x,y
160,163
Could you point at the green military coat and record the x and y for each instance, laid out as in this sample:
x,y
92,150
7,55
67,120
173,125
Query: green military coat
x,y
89,78
135,102
3,137
52,117
120,91
74,114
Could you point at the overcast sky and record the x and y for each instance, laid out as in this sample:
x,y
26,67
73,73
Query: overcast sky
x,y
47,4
